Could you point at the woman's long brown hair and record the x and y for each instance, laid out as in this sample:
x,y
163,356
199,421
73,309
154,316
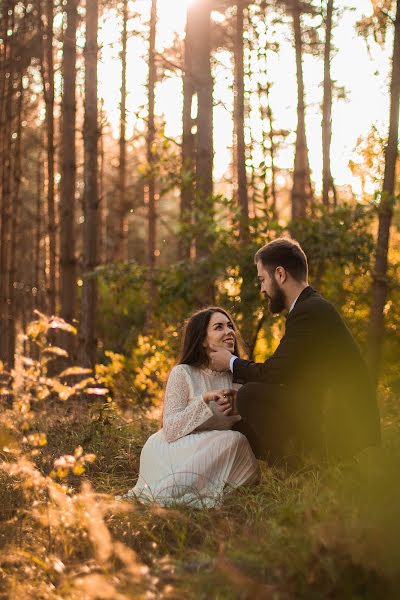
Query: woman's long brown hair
x,y
194,333
193,351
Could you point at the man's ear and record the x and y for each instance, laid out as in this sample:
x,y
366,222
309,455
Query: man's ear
x,y
280,274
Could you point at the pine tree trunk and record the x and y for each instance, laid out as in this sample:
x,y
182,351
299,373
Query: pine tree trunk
x,y
122,243
188,167
266,116
103,216
327,180
68,263
47,68
5,232
15,229
272,148
151,160
243,202
302,190
204,212
380,280
90,231
37,281
239,127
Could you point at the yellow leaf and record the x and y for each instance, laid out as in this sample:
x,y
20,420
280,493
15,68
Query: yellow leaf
x,y
75,371
81,384
55,350
58,323
89,458
78,469
78,452
97,391
61,473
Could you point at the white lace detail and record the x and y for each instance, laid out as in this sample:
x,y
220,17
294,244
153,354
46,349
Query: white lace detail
x,y
209,371
184,407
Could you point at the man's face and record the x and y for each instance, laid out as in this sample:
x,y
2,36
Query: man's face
x,y
270,289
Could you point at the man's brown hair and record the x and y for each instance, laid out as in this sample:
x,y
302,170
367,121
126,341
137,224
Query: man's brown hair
x,y
285,253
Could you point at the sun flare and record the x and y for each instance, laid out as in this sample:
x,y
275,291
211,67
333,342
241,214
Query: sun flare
x,y
351,118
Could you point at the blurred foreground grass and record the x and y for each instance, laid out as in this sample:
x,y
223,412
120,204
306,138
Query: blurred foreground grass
x,y
323,532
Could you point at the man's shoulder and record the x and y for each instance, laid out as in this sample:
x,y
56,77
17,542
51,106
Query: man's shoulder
x,y
315,305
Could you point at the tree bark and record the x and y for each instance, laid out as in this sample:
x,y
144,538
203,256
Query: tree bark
x,y
103,249
380,279
151,163
302,189
327,180
122,239
204,212
239,126
272,148
90,231
68,264
47,68
37,282
188,166
15,229
5,231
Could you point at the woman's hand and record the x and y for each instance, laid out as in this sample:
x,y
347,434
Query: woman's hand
x,y
224,400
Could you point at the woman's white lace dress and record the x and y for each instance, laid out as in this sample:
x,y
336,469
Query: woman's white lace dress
x,y
195,455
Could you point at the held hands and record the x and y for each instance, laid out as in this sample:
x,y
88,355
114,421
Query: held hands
x,y
224,399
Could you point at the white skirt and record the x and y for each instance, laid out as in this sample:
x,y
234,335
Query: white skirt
x,y
195,469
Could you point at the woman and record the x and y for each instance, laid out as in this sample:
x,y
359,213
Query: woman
x,y
195,455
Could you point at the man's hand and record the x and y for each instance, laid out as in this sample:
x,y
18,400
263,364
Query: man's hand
x,y
222,398
232,395
219,358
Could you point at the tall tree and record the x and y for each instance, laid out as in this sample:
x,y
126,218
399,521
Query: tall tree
x,y
68,168
103,248
90,204
122,234
204,128
8,19
380,278
327,179
239,124
151,163
37,298
47,69
187,167
302,189
15,225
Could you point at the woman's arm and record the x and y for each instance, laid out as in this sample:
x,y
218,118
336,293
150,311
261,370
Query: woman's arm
x,y
180,417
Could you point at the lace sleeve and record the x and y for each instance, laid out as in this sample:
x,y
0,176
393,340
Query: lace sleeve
x,y
180,416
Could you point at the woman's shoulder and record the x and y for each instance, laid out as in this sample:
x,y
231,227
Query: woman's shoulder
x,y
181,370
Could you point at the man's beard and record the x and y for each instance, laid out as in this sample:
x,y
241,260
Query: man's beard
x,y
276,301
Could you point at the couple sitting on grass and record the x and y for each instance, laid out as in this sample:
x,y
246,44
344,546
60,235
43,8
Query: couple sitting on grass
x,y
312,397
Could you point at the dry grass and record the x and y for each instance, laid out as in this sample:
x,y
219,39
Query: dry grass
x,y
323,532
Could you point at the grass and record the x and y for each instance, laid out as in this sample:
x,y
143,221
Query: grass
x,y
322,532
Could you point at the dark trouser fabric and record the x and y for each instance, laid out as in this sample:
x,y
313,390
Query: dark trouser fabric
x,y
277,430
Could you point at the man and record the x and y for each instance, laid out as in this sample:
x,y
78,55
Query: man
x,y
313,396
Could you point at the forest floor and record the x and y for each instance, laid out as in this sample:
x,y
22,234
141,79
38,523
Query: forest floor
x,y
321,532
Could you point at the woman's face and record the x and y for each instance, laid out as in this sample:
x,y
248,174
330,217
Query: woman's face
x,y
220,333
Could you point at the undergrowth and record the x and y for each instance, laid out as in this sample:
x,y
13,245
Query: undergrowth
x,y
67,449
